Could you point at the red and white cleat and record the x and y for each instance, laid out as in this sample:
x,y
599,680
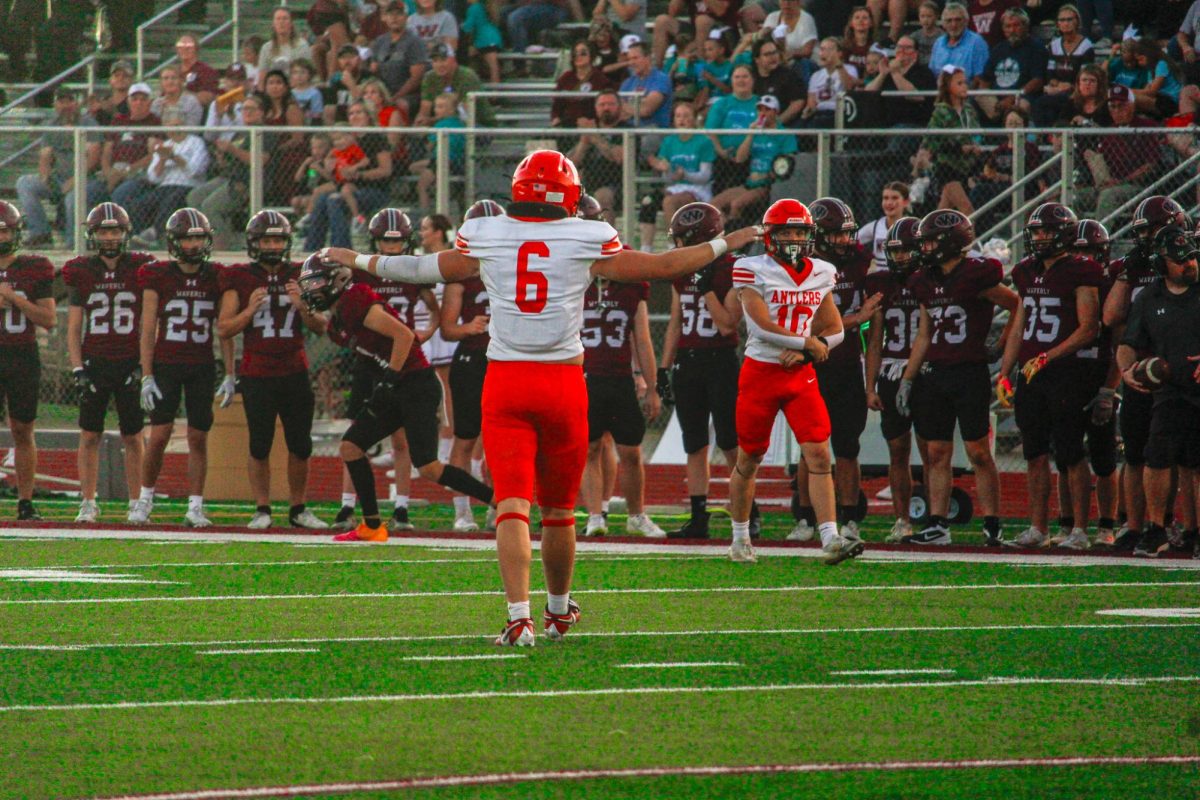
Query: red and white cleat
x,y
557,625
363,533
517,633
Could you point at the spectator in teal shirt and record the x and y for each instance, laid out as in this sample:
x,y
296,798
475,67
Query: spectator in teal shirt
x,y
685,161
759,151
445,113
712,74
737,110
484,37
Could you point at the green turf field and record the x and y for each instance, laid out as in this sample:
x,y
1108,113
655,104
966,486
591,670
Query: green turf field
x,y
219,665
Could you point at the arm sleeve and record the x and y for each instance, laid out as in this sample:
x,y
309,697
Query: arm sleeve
x,y
770,337
410,269
702,175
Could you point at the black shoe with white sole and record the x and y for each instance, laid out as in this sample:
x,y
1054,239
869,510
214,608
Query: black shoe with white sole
x,y
934,534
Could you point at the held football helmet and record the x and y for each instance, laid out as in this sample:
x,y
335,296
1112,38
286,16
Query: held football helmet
x,y
1150,216
833,220
589,208
393,225
789,217
268,223
944,234
1091,239
108,215
10,220
696,223
902,248
184,223
322,282
547,176
1061,225
484,208
1173,243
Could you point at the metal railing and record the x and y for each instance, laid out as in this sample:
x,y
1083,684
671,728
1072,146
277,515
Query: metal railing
x,y
231,24
88,63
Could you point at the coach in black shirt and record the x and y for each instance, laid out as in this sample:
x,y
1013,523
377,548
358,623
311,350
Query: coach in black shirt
x,y
771,77
1165,322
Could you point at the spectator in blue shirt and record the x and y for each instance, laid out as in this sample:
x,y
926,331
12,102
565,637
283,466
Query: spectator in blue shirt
x,y
1017,64
958,46
654,108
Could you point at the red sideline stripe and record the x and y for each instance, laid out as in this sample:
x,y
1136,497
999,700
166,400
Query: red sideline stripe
x,y
351,787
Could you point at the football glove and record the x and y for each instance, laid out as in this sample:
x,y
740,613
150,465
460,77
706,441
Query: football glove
x,y
704,281
151,394
226,391
903,397
1033,366
1102,405
666,392
385,391
83,381
1004,392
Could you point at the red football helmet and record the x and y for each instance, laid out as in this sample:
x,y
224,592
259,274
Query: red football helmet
x,y
788,215
108,215
1092,240
833,218
944,234
1062,225
902,248
1151,215
184,223
547,176
392,225
268,223
10,220
484,208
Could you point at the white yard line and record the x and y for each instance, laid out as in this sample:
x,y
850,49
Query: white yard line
x,y
892,672
679,664
480,657
258,651
255,598
344,561
993,682
499,778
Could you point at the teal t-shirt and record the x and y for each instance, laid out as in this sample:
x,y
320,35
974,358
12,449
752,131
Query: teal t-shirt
x,y
1171,86
763,151
479,25
690,154
719,71
730,112
458,142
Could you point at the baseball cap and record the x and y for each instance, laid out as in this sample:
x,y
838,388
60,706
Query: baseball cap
x,y
141,88
236,72
347,50
440,50
769,101
717,33
629,40
1119,94
780,32
121,65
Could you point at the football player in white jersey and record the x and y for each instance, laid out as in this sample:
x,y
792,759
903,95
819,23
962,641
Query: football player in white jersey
x,y
536,263
792,322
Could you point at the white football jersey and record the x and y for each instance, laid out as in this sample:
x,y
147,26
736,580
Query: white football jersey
x,y
536,274
792,297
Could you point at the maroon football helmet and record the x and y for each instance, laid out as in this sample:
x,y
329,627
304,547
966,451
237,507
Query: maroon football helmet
x,y
696,223
10,220
589,208
1151,215
322,282
944,234
268,223
108,215
484,208
1062,225
833,218
392,225
1091,239
184,223
902,248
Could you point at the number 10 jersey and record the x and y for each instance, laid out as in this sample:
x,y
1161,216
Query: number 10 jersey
x,y
792,296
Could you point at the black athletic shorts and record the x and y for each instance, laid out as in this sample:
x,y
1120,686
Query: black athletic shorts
x,y
119,381
288,397
20,377
953,394
705,382
194,383
613,407
845,395
892,423
413,405
467,371
363,377
1174,435
1050,411
1136,411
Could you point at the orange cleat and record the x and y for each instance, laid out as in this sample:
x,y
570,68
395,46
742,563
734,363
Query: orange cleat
x,y
363,533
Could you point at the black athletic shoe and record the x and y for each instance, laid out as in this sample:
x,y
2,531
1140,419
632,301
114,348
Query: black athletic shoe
x,y
26,512
1181,541
934,534
399,521
345,520
696,528
1127,541
755,521
1154,538
991,539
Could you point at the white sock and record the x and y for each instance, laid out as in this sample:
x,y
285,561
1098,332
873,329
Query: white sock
x,y
557,603
828,531
741,531
518,610
133,503
195,502
604,506
400,501
477,468
147,494
349,499
462,506
595,521
444,449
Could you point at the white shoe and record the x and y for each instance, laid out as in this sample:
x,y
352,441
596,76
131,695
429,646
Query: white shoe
x,y
490,522
803,532
88,511
850,531
1030,537
596,526
839,548
194,518
387,459
742,552
139,512
900,529
640,523
465,523
307,519
1105,537
1077,540
260,521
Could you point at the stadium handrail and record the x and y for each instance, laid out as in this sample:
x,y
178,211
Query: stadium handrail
x,y
231,23
88,63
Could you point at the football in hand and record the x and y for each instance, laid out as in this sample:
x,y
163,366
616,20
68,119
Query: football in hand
x,y
1151,372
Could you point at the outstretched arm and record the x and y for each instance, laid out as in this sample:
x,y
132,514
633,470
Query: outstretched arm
x,y
629,266
448,265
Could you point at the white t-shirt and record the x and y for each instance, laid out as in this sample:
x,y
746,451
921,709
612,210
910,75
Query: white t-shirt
x,y
827,85
872,236
804,32
536,274
793,301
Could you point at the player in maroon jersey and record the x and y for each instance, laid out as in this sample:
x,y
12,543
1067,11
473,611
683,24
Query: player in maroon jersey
x,y
958,295
261,301
26,302
392,233
102,344
699,366
179,310
1058,317
889,344
1130,275
407,393
840,377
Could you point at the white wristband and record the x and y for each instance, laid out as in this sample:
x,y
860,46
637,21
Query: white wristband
x,y
362,261
719,246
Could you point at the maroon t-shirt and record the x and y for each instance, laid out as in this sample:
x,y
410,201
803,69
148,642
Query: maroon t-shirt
x,y
1048,297
961,318
347,327
848,297
112,303
31,277
202,78
608,327
1126,153
728,17
474,304
568,110
697,328
901,313
401,297
273,342
985,19
129,147
187,311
